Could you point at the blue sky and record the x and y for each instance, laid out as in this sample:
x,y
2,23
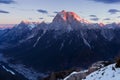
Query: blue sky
x,y
14,11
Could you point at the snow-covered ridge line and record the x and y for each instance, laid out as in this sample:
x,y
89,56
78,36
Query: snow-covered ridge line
x,y
68,20
75,73
81,75
107,73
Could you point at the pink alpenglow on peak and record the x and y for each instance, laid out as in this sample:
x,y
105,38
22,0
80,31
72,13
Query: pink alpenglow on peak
x,y
101,24
68,17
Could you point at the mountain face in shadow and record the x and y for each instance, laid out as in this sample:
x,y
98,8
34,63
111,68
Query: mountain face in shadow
x,y
69,41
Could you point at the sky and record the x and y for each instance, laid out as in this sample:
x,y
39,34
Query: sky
x,y
15,11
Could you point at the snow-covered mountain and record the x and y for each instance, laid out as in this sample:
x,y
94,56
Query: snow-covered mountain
x,y
64,42
11,37
68,20
68,17
27,24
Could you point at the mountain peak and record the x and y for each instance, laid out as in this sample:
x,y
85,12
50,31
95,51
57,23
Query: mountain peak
x,y
101,24
25,22
29,22
68,17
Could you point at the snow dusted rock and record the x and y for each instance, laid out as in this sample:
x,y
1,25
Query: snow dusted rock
x,y
82,74
76,75
107,73
28,24
108,34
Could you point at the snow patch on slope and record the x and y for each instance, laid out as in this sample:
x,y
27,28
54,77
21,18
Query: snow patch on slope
x,y
29,73
39,38
62,45
85,41
108,34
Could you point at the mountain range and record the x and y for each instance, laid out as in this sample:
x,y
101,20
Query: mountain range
x,y
68,41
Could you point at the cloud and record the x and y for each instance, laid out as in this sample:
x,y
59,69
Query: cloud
x,y
118,17
92,15
5,12
42,11
41,18
30,18
55,12
51,15
6,1
94,19
107,19
108,1
113,11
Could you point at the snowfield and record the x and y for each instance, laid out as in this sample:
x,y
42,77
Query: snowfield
x,y
107,73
